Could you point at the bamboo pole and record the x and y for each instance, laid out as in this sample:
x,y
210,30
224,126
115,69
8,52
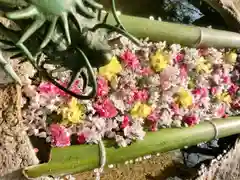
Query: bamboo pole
x,y
177,33
79,158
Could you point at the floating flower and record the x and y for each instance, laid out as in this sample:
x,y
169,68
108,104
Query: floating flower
x,y
236,104
111,69
219,111
224,97
233,89
102,86
105,108
48,88
51,89
203,66
140,95
130,59
60,137
74,112
179,57
184,98
200,92
231,57
125,122
81,139
183,71
154,115
160,61
190,120
146,71
140,110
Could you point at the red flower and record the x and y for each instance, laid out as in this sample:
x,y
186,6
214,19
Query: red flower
x,y
179,57
60,135
236,104
213,90
154,127
102,86
105,108
233,89
125,122
81,139
130,59
226,79
202,92
190,120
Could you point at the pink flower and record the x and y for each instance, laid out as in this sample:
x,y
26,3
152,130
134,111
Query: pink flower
x,y
214,90
154,116
168,77
183,71
125,122
179,57
60,135
74,88
226,79
49,88
140,95
130,59
201,92
175,108
190,120
102,86
81,138
105,108
233,89
220,111
146,71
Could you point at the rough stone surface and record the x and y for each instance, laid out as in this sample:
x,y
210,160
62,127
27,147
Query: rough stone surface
x,y
16,150
225,168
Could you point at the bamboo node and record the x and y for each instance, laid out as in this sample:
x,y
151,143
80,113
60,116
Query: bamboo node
x,y
215,129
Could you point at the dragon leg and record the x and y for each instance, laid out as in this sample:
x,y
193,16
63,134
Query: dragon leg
x,y
9,70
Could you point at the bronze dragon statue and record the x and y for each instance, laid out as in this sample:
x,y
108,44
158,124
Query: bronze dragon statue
x,y
60,32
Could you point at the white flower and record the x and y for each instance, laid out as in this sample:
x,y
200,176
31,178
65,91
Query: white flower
x,y
120,141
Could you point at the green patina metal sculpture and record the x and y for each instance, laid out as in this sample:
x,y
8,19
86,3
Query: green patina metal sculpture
x,y
80,33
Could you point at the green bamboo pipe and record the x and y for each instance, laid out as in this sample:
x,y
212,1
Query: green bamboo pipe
x,y
79,158
173,33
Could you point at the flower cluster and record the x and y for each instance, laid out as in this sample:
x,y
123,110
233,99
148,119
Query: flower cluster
x,y
141,89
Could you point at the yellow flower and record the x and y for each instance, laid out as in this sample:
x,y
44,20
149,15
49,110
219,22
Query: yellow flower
x,y
160,61
231,57
110,70
202,65
224,97
74,112
140,110
184,98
